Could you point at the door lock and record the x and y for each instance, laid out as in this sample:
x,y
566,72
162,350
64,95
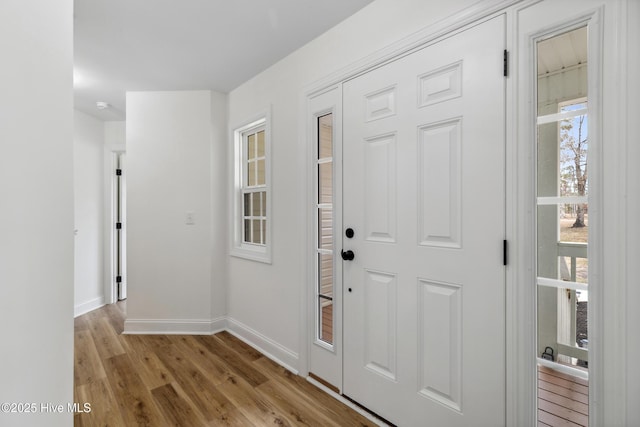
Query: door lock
x,y
348,255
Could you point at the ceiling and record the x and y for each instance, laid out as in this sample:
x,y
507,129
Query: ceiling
x,y
562,52
139,45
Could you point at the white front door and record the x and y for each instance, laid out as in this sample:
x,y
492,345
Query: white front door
x,y
424,192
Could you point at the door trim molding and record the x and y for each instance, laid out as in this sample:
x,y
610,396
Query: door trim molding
x,y
110,152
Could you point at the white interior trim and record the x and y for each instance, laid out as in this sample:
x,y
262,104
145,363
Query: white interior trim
x,y
110,290
273,350
171,326
88,306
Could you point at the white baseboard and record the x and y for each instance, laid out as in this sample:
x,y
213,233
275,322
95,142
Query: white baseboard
x,y
271,349
174,326
274,351
88,306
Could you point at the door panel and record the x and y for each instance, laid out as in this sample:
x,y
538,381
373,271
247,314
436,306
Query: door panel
x,y
424,191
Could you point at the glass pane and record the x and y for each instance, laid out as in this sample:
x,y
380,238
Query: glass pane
x,y
256,209
325,310
261,143
251,170
264,231
256,237
562,228
325,183
325,228
574,223
325,275
247,230
548,160
325,136
251,147
261,173
263,212
247,204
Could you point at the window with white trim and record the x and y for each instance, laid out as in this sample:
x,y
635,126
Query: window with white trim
x,y
252,237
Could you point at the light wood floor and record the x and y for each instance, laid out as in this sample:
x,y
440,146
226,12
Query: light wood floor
x,y
181,380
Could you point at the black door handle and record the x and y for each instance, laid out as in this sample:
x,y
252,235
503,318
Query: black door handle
x,y
348,255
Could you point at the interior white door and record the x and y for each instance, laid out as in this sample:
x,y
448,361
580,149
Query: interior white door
x,y
424,192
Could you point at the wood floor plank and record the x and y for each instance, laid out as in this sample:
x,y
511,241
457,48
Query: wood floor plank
x,y
151,370
251,403
215,368
88,366
176,410
292,406
80,324
134,399
213,405
332,408
238,365
104,407
239,346
106,339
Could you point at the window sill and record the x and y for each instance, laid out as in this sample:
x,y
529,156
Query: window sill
x,y
263,256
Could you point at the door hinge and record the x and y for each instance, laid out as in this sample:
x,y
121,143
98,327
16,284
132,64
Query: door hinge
x,y
118,279
119,171
505,63
504,252
118,225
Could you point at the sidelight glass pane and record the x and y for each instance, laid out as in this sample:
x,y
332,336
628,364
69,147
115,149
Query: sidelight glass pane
x,y
562,215
325,183
325,314
325,228
325,136
325,274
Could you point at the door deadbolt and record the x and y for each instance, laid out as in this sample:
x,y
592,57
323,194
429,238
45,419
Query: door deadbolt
x,y
347,255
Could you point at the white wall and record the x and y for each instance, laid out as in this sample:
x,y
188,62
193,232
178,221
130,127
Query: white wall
x,y
169,263
88,143
219,254
266,298
632,338
36,214
115,133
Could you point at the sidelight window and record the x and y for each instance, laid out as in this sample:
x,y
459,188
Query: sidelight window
x,y
325,227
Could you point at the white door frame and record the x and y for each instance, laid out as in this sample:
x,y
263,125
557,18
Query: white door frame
x,y
608,386
110,159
